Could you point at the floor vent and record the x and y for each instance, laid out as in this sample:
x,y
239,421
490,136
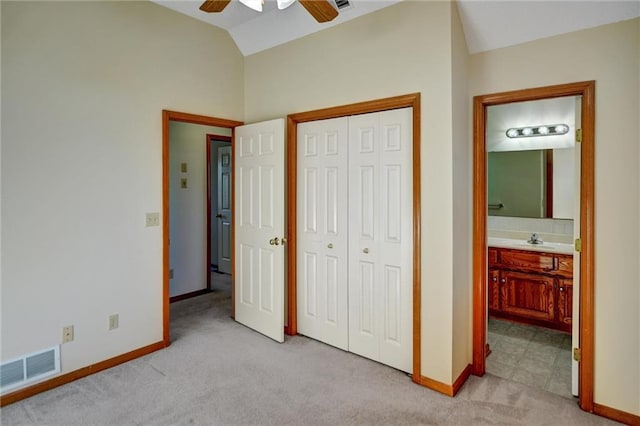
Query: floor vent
x,y
343,4
29,368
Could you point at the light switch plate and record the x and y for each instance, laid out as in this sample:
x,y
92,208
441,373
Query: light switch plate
x,y
183,167
153,219
183,183
114,321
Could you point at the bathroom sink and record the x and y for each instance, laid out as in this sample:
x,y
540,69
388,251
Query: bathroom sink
x,y
563,248
545,246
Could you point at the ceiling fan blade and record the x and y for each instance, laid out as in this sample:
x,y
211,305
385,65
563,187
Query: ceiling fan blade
x,y
212,6
321,10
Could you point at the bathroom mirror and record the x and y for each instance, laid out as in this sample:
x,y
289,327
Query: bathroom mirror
x,y
530,158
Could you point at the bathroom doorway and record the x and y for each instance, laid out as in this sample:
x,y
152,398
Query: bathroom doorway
x,y
523,285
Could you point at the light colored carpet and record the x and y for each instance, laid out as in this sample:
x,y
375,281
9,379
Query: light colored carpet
x,y
219,372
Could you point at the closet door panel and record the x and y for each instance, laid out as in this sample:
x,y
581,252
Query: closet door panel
x,y
364,275
396,238
322,231
380,236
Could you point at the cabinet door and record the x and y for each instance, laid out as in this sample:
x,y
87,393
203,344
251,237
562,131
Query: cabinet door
x,y
565,302
528,295
493,290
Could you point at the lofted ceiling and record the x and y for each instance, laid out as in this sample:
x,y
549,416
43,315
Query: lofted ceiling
x,y
488,24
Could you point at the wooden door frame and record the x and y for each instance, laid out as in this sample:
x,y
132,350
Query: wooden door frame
x,y
410,100
586,89
168,116
210,138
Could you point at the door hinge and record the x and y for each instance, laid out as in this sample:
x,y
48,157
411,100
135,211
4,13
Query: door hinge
x,y
578,135
578,245
577,354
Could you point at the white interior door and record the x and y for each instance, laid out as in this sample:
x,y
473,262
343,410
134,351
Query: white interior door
x,y
224,209
259,227
381,237
322,236
575,318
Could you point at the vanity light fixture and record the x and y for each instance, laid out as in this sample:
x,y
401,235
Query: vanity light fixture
x,y
542,130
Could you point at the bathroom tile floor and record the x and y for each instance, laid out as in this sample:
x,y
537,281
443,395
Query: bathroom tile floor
x,y
535,356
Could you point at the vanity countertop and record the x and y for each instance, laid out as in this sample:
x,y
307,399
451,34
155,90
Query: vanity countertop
x,y
561,248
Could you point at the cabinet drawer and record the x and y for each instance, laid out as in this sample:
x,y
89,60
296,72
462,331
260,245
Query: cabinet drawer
x,y
565,265
527,260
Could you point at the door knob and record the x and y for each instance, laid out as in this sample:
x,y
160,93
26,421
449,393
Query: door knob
x,y
274,241
284,240
365,251
219,216
330,245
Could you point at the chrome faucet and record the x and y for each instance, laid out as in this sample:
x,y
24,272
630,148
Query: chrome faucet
x,y
535,239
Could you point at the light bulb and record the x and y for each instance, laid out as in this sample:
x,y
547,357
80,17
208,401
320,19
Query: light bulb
x,y
283,4
527,131
253,4
512,133
543,130
562,129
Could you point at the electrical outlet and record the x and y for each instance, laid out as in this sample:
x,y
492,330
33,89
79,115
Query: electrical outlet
x,y
113,321
153,219
67,334
183,167
183,183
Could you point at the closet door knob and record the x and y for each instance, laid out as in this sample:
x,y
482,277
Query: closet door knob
x,y
330,245
366,250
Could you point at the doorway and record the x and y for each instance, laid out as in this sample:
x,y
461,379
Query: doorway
x,y
184,183
481,284
219,212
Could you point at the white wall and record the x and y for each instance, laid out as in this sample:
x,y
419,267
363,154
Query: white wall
x,y
84,86
188,207
563,183
610,55
404,48
462,201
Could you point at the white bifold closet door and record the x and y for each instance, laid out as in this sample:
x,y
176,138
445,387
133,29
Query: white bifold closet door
x,y
322,231
355,244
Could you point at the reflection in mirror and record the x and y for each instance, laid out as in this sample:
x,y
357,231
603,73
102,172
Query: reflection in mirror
x,y
530,159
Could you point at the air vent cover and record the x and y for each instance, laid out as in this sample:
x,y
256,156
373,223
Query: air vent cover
x,y
29,368
343,4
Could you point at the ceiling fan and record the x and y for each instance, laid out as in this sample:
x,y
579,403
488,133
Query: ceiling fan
x,y
321,10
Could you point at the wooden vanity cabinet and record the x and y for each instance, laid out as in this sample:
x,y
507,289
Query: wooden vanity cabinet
x,y
531,287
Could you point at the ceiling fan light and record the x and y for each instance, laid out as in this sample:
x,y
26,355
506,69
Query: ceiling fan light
x,y
253,4
283,4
